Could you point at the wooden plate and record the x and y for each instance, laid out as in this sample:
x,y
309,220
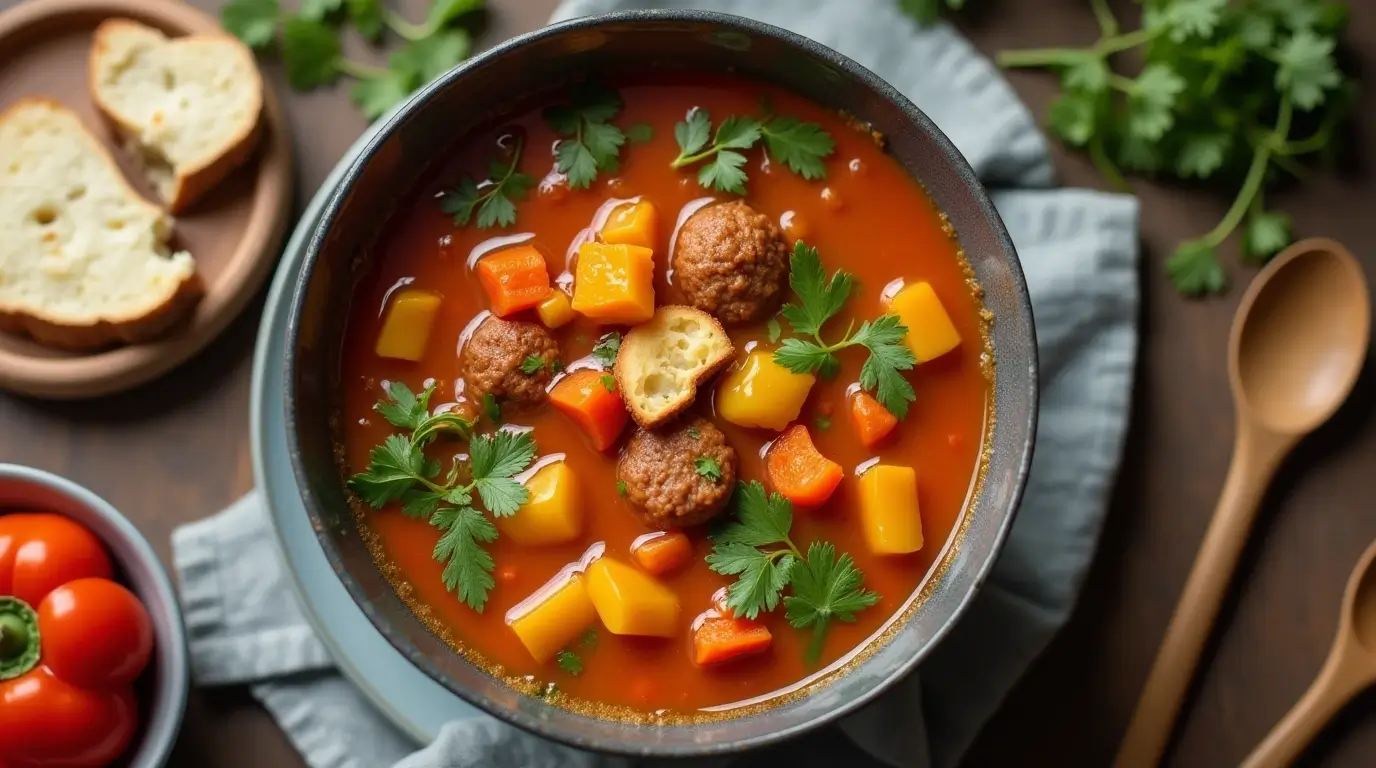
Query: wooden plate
x,y
234,232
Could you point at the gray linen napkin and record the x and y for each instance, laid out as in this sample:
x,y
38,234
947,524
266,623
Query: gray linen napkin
x,y
1079,251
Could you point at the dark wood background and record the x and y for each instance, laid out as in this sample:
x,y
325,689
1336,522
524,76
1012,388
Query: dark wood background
x,y
178,449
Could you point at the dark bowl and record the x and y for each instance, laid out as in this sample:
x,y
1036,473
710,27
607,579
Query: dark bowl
x,y
405,147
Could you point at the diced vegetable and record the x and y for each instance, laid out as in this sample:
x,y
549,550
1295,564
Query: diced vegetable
x,y
553,617
514,278
631,224
889,515
762,393
872,421
720,639
931,333
552,513
406,329
798,471
555,311
661,552
585,398
631,603
615,284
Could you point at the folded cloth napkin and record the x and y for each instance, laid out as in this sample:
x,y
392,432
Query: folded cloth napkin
x,y
1079,252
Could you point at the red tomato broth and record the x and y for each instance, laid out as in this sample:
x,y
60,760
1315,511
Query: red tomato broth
x,y
877,223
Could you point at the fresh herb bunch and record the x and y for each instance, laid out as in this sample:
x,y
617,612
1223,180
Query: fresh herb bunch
x,y
928,11
591,144
800,146
494,198
399,471
1233,93
309,44
756,548
819,299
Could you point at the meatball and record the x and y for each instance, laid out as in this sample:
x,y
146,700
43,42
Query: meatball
x,y
493,356
662,477
731,260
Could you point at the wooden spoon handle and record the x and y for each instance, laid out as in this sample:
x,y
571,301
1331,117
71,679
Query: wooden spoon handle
x,y
1255,457
1341,678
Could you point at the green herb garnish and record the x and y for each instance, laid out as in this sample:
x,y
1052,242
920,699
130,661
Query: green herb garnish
x,y
491,408
822,423
604,351
800,146
608,382
569,662
591,144
620,487
694,433
819,300
773,330
531,364
493,198
756,548
707,467
399,471
1231,93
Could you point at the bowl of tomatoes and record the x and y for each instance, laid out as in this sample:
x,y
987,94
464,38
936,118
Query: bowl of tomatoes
x,y
93,660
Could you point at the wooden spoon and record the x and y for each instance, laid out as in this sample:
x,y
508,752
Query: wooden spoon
x,y
1297,344
1351,668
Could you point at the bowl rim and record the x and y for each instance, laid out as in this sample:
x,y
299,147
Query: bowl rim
x,y
164,723
728,22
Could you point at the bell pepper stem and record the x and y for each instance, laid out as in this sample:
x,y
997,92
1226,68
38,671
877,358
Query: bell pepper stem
x,y
19,646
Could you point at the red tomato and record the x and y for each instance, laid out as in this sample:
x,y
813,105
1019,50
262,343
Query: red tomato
x,y
96,634
39,552
46,722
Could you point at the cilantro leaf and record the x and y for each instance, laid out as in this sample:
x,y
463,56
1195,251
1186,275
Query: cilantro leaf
x,y
1194,269
723,173
760,519
493,199
376,94
1088,74
707,467
491,408
1072,117
590,145
1202,154
532,364
620,487
403,408
761,577
604,351
499,456
393,469
1151,101
889,357
694,133
317,10
802,356
430,57
825,588
367,17
801,146
737,132
1306,69
1266,234
1189,18
311,53
569,662
608,382
442,12
819,299
467,565
420,503
252,21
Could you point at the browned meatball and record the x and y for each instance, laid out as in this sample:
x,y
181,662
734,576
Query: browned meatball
x,y
663,481
731,261
493,357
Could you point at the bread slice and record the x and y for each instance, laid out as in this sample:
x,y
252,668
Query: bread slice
x,y
663,361
84,261
187,107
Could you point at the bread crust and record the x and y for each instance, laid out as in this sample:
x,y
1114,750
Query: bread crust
x,y
192,182
137,326
627,357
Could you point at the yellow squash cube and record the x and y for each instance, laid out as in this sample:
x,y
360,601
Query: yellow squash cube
x,y
553,617
762,393
931,333
631,602
889,515
631,224
551,514
406,328
555,311
615,284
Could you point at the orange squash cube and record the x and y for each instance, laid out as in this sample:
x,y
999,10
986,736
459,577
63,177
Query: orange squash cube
x,y
889,516
631,602
615,284
552,513
406,329
555,311
931,333
553,616
632,224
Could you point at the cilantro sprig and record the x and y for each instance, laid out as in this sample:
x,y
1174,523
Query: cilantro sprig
x,y
756,548
399,471
494,198
819,300
606,349
800,146
1235,94
591,144
309,44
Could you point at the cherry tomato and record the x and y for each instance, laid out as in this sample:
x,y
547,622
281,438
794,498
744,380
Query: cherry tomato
x,y
46,722
39,552
96,634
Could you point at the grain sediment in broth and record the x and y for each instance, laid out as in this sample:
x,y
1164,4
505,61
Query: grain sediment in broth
x,y
865,216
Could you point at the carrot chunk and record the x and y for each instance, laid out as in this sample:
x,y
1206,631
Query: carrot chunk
x,y
872,421
584,397
721,639
796,470
661,552
514,279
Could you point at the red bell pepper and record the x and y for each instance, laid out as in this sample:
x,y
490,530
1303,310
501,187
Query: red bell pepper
x,y
72,642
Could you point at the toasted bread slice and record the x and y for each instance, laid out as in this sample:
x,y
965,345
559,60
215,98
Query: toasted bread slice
x,y
663,361
187,107
83,260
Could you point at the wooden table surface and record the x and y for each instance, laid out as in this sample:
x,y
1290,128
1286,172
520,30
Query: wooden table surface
x,y
178,449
